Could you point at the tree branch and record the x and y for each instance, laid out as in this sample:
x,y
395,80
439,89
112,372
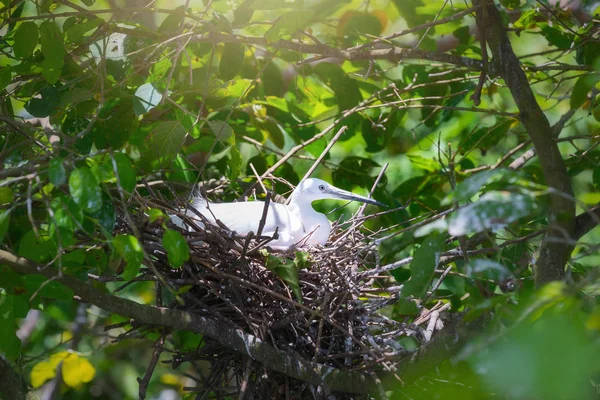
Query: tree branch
x,y
587,221
391,53
553,256
11,383
236,339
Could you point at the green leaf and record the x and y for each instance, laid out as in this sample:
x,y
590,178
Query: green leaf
x,y
347,93
56,172
551,357
487,269
272,80
67,214
423,265
289,23
11,282
4,223
26,38
45,105
15,14
156,214
302,260
96,259
286,270
167,139
408,10
10,345
146,98
235,163
527,19
222,131
511,4
76,32
596,112
85,190
356,171
183,170
128,247
357,23
476,182
493,211
88,3
588,52
376,133
51,70
406,307
44,288
75,259
231,60
596,177
423,163
484,138
6,195
117,121
5,77
53,49
126,172
244,12
105,216
274,132
439,225
103,170
38,249
177,248
173,21
161,68
558,37
582,87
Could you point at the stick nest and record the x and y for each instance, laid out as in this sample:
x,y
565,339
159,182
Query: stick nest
x,y
335,323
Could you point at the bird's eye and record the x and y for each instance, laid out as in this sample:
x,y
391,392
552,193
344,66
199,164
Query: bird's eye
x,y
322,188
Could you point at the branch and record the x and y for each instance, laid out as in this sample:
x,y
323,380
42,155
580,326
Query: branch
x,y
391,53
11,383
236,339
443,21
587,221
553,256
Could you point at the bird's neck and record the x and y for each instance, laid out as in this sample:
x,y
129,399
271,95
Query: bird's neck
x,y
310,218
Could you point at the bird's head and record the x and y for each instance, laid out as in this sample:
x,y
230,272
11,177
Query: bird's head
x,y
312,189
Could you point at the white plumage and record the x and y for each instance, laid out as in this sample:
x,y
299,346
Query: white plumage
x,y
297,223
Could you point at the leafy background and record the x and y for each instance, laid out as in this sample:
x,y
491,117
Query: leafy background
x,y
101,100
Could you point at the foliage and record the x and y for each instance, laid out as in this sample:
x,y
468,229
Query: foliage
x,y
108,116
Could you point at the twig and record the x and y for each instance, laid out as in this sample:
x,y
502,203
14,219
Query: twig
x,y
476,97
265,213
333,140
145,381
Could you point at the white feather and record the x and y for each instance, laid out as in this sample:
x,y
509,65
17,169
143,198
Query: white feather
x,y
297,224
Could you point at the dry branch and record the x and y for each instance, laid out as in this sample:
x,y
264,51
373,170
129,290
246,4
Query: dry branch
x,y
249,345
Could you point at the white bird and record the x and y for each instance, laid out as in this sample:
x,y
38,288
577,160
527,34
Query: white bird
x,y
297,223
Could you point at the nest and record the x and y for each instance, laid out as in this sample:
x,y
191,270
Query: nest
x,y
228,279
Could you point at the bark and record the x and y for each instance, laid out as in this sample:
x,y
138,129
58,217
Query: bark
x,y
557,245
12,385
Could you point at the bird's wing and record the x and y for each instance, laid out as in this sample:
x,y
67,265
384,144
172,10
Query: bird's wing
x,y
244,217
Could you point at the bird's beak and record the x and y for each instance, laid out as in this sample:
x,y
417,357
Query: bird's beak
x,y
345,195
